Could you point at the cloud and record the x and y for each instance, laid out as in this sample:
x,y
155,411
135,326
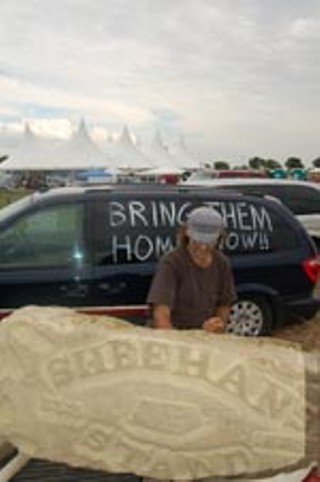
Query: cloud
x,y
221,72
306,28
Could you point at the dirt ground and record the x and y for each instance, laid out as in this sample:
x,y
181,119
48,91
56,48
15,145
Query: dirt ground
x,y
305,332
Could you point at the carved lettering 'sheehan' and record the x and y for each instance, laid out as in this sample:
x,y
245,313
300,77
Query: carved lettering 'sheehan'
x,y
159,403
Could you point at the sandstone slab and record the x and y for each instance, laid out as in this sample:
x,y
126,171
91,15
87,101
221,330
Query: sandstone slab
x,y
100,393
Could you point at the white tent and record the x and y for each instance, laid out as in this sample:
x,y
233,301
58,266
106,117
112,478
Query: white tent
x,y
79,152
34,153
8,141
158,152
181,155
30,153
125,153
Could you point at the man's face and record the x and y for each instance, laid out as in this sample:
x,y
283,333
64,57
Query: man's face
x,y
201,253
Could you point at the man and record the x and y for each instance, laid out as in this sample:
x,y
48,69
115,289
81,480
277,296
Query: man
x,y
193,286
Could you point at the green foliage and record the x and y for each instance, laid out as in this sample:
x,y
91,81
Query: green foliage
x,y
316,162
257,163
242,167
219,165
208,165
272,164
293,162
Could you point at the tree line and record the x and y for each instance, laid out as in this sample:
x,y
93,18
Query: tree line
x,y
257,162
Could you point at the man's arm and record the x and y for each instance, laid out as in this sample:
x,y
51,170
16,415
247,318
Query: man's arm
x,y
161,316
223,312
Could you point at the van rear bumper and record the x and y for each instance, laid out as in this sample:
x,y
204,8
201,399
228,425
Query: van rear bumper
x,y
305,308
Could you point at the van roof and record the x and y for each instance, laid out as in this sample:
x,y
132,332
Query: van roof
x,y
252,181
80,192
122,188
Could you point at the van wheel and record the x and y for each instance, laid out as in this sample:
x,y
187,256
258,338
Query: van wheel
x,y
250,316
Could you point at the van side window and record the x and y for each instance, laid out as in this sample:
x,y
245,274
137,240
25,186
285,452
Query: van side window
x,y
136,230
302,200
284,237
253,227
299,199
143,229
52,236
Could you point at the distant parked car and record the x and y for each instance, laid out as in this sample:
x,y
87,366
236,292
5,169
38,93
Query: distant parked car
x,y
96,248
301,197
207,175
298,173
314,175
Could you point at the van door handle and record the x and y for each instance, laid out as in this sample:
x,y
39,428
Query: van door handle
x,y
78,290
112,288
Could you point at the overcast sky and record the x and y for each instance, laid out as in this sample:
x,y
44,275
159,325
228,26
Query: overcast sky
x,y
236,78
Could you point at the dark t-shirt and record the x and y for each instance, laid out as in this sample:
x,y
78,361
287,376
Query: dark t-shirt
x,y
192,293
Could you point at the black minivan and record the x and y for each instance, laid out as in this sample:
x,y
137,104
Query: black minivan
x,y
95,249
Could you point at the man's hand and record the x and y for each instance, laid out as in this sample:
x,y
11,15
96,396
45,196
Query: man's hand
x,y
214,325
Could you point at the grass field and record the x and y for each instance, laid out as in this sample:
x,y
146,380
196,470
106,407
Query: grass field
x,y
8,196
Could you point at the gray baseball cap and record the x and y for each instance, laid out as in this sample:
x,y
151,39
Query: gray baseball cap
x,y
204,224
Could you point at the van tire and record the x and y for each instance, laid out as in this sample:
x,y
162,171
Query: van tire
x,y
251,315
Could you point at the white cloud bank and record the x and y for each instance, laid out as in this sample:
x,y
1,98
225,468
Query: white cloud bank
x,y
236,78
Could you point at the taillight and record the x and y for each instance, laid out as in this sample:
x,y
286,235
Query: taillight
x,y
312,268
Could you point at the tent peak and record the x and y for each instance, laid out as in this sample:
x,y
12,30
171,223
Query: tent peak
x,y
125,136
